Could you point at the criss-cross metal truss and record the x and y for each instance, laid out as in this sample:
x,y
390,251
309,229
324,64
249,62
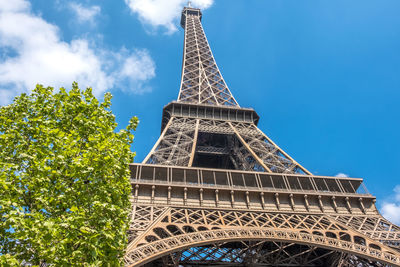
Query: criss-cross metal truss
x,y
191,141
215,190
202,81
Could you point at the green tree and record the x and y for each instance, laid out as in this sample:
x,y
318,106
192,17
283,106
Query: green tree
x,y
64,179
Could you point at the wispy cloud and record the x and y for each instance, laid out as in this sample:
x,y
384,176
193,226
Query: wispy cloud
x,y
85,14
341,174
391,209
133,70
163,13
33,52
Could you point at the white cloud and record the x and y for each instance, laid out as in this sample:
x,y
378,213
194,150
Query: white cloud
x,y
85,14
391,210
13,5
33,52
340,174
133,69
397,193
164,13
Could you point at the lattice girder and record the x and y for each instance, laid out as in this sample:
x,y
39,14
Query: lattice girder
x,y
252,151
174,146
264,253
177,229
201,81
375,227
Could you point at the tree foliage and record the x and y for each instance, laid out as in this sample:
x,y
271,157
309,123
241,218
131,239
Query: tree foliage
x,y
64,179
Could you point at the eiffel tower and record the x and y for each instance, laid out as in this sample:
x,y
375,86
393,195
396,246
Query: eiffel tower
x,y
215,190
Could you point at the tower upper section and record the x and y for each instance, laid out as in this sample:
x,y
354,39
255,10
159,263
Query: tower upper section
x,y
190,11
202,82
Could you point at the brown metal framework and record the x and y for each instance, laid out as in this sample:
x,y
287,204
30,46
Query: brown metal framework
x,y
215,190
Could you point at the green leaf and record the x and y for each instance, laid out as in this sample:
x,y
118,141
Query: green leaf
x,y
64,186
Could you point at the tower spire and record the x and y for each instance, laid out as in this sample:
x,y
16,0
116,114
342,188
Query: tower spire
x,y
202,81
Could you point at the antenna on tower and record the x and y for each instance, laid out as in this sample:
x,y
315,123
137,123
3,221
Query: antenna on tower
x,y
189,3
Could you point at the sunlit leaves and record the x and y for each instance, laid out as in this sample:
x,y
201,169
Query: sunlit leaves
x,y
64,186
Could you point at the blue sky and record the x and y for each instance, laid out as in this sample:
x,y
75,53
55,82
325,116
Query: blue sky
x,y
324,76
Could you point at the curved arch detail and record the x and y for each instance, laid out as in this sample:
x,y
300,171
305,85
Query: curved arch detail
x,y
151,251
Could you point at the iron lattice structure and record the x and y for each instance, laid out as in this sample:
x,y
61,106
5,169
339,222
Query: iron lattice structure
x,y
215,190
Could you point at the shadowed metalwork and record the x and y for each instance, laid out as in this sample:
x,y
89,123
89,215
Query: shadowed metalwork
x,y
215,190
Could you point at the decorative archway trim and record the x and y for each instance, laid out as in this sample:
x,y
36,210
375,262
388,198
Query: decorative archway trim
x,y
151,251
